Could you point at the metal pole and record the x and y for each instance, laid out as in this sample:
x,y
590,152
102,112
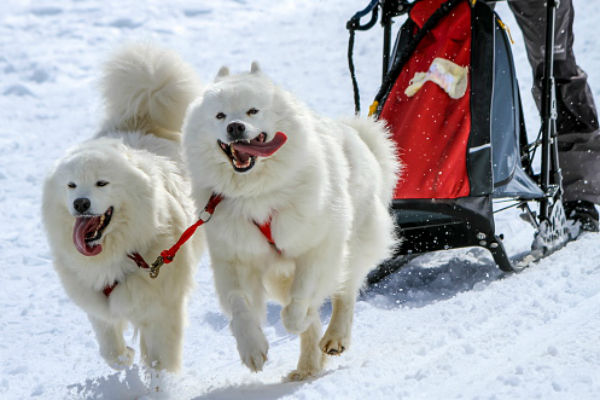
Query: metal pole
x,y
386,21
548,107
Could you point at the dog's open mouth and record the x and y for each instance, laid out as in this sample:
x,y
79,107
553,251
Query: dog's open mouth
x,y
88,231
243,153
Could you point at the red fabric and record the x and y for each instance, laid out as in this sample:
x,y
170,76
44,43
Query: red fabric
x,y
430,128
265,229
109,288
139,260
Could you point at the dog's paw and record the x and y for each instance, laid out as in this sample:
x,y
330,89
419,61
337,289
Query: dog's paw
x,y
309,366
295,317
334,344
298,375
253,348
123,360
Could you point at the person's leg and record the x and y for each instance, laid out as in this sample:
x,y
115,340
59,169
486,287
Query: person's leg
x,y
576,109
577,123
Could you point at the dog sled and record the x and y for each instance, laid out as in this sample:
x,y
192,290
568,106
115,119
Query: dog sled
x,y
450,97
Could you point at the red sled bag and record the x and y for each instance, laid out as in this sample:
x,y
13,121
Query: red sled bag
x,y
428,108
451,101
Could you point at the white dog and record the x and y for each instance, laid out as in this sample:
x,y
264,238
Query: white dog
x,y
325,191
120,198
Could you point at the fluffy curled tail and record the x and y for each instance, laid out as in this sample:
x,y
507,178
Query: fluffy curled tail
x,y
147,88
378,139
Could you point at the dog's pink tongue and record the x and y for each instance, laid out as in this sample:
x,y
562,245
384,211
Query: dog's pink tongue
x,y
84,225
265,149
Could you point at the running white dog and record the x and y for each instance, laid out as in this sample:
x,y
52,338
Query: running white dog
x,y
120,198
325,187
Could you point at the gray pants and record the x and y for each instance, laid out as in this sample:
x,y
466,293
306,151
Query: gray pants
x,y
577,123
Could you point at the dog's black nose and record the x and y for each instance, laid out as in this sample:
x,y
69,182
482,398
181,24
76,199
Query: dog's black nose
x,y
235,131
81,204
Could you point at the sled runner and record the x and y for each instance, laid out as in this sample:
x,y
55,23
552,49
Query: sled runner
x,y
450,97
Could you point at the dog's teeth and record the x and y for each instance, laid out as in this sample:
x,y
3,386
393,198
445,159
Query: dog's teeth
x,y
238,164
102,219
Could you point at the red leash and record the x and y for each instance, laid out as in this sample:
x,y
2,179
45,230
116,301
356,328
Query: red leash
x,y
166,256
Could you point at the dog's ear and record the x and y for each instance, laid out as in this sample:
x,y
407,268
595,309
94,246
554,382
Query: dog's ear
x,y
254,68
223,72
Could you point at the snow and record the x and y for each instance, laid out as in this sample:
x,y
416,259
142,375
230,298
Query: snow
x,y
450,325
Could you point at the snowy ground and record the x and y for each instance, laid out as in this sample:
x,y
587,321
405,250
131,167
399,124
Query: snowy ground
x,y
448,326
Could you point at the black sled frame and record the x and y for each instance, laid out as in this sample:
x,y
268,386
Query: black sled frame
x,y
433,224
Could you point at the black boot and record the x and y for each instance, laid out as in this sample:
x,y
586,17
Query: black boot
x,y
583,212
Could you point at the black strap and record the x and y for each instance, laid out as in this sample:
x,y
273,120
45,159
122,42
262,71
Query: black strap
x,y
353,73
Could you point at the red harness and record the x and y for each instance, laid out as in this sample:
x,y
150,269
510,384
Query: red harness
x,y
141,263
265,229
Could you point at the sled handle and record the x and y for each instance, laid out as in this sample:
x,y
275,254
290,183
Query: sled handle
x,y
354,23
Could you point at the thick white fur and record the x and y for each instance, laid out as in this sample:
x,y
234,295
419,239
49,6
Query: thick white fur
x,y
146,91
327,191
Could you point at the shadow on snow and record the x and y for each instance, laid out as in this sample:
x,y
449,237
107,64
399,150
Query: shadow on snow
x,y
433,277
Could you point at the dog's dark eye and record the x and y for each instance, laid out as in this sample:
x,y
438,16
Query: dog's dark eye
x,y
101,183
71,185
221,116
252,111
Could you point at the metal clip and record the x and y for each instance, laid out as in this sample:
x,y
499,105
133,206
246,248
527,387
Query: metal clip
x,y
205,216
155,269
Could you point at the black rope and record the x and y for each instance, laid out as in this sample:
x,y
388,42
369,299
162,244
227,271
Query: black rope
x,y
353,72
353,25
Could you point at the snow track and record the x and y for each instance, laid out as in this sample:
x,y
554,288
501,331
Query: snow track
x,y
448,326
